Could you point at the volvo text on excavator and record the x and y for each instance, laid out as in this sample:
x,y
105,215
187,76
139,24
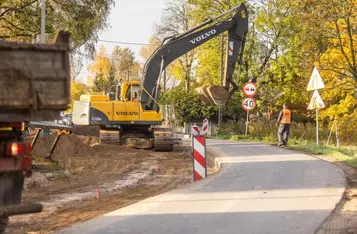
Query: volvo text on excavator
x,y
132,107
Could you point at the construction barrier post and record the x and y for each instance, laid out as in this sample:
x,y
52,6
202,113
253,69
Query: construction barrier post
x,y
195,130
199,157
205,127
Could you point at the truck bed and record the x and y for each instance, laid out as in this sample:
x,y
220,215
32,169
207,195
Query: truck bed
x,y
34,80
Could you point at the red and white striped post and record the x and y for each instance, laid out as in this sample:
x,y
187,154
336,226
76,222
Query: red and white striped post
x,y
199,157
205,127
195,131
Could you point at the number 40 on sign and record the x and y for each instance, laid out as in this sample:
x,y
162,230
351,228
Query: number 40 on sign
x,y
248,103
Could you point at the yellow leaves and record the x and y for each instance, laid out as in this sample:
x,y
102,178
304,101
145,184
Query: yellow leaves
x,y
101,64
348,124
147,50
77,89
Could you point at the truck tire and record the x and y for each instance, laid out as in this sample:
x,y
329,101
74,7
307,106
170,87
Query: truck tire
x,y
4,221
10,193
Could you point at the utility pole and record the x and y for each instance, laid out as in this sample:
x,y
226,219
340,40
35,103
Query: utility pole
x,y
43,20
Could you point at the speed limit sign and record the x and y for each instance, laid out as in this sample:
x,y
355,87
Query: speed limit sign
x,y
248,103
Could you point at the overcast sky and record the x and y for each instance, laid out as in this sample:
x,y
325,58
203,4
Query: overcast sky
x,y
130,21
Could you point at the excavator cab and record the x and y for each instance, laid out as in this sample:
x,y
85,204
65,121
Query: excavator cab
x,y
132,92
115,92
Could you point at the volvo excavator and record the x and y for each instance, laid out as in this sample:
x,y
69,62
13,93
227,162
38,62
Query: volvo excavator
x,y
132,107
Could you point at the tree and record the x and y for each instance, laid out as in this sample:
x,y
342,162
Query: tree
x,y
76,66
331,32
147,50
99,71
273,56
77,89
123,62
187,104
176,19
99,82
20,20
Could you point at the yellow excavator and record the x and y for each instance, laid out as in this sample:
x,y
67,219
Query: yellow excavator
x,y
132,107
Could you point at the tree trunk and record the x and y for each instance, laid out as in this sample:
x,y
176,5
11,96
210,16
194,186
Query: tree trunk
x,y
187,80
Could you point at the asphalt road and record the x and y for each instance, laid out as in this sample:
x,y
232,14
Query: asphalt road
x,y
260,189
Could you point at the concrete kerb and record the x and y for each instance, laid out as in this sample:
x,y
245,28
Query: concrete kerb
x,y
213,157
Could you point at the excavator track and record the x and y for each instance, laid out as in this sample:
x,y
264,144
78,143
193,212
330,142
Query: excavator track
x,y
163,139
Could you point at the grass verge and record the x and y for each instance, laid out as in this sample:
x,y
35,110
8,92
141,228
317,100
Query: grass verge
x,y
347,154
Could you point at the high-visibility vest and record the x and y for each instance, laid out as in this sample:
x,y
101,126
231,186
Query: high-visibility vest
x,y
286,118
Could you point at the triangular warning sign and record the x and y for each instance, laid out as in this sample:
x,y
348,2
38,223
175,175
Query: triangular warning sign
x,y
315,81
316,102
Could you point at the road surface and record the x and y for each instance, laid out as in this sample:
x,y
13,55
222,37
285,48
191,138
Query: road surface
x,y
260,189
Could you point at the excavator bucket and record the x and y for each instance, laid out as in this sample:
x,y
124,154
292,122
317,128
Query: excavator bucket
x,y
213,95
204,96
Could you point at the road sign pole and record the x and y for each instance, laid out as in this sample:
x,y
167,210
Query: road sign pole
x,y
337,140
317,126
330,134
246,124
220,113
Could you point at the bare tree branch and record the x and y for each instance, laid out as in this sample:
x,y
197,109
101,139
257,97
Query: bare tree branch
x,y
8,9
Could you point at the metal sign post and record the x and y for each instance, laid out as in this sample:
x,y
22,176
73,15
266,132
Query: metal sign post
x,y
337,139
317,126
246,124
316,101
248,104
334,125
249,90
220,114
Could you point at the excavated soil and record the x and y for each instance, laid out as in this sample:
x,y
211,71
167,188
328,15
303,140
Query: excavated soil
x,y
68,147
89,181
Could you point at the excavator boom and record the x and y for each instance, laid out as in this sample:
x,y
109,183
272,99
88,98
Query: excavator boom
x,y
177,46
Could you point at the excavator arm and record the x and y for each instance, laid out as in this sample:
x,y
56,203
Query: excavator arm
x,y
176,46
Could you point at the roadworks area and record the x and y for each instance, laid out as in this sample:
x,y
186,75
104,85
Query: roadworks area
x,y
89,179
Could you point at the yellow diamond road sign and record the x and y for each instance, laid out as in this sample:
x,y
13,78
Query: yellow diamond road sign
x,y
316,102
315,81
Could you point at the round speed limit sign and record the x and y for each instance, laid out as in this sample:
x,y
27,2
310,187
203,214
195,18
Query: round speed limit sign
x,y
248,103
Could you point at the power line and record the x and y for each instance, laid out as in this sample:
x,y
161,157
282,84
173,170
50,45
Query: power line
x,y
123,42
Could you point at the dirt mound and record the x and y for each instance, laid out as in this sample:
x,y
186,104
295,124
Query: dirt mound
x,y
89,140
68,146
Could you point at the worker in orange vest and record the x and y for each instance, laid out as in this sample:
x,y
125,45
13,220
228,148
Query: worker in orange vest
x,y
285,118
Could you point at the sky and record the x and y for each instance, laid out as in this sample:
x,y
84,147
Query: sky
x,y
129,21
